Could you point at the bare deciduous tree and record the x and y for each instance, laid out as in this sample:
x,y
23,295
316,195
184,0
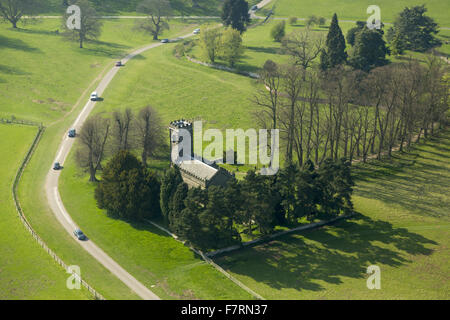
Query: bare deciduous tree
x,y
93,137
122,133
14,10
149,132
304,47
157,12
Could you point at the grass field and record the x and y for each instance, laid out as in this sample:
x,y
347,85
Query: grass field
x,y
356,10
42,74
402,226
208,7
45,67
26,270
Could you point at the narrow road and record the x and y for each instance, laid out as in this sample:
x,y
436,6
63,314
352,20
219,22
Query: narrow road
x,y
54,198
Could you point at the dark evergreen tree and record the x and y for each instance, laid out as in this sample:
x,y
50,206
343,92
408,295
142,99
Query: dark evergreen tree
x,y
235,14
334,54
127,190
308,191
351,34
169,183
176,206
369,50
415,30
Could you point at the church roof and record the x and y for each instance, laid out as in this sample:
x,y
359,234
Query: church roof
x,y
198,169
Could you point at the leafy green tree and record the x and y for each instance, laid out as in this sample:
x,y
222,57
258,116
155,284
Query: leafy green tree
x,y
416,30
334,54
235,14
169,184
278,31
312,20
127,190
157,12
293,21
232,48
369,50
351,34
210,43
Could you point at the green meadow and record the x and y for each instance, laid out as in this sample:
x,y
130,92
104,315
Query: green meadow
x,y
356,10
26,270
402,225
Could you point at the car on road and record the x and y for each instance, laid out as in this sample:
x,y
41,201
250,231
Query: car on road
x,y
119,64
79,234
254,8
165,41
57,166
196,31
72,133
94,96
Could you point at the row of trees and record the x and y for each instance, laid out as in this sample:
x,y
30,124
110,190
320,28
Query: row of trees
x,y
215,217
348,113
216,43
101,137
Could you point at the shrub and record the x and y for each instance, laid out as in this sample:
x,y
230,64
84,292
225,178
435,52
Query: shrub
x,y
292,21
278,31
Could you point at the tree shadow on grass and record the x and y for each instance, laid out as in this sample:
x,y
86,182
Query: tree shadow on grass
x,y
417,181
12,71
17,44
327,254
270,50
105,49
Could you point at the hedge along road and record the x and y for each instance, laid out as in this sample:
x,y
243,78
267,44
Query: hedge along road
x,y
54,198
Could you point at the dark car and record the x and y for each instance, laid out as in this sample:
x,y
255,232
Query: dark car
x,y
119,64
79,234
72,133
57,166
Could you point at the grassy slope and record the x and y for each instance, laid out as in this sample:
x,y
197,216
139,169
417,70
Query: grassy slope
x,y
42,75
356,10
26,270
403,226
161,80
116,41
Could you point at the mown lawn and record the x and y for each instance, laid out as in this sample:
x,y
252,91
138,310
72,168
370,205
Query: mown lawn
x,y
356,10
26,270
402,226
47,72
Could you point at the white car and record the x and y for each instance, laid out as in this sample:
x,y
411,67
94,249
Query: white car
x,y
94,96
196,31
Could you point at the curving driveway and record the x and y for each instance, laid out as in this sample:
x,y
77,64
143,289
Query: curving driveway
x,y
54,199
